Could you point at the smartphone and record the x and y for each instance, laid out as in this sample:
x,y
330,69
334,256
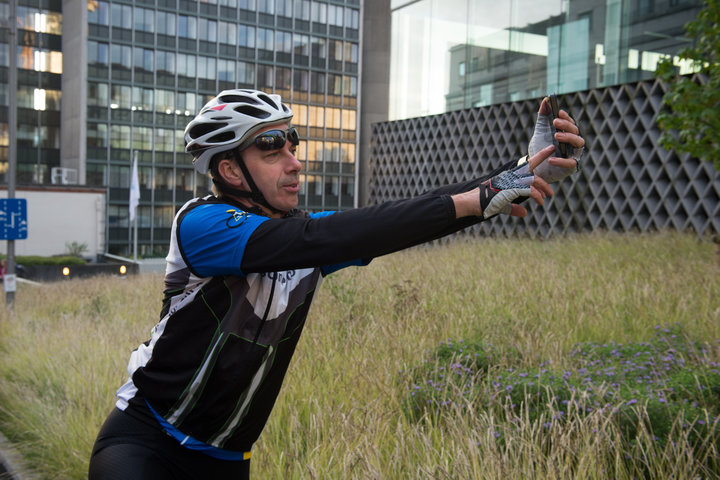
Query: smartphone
x,y
556,114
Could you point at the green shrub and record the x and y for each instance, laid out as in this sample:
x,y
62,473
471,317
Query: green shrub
x,y
33,260
663,386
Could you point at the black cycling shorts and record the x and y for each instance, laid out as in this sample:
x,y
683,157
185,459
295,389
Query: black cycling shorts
x,y
127,447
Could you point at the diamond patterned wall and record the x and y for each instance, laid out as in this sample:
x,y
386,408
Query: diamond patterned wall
x,y
627,182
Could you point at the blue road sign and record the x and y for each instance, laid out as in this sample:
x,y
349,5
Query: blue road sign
x,y
13,219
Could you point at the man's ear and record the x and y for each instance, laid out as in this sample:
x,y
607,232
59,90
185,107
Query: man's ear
x,y
230,172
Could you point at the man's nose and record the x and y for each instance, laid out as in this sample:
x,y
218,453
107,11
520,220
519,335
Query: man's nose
x,y
293,163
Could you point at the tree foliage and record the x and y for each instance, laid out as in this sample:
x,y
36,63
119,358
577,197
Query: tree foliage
x,y
691,121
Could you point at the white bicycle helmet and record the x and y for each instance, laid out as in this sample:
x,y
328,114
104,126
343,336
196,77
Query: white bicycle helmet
x,y
228,120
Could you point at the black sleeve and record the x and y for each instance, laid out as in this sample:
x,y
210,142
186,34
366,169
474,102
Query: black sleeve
x,y
470,184
362,233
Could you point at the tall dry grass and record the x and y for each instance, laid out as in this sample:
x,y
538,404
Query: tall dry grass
x,y
64,350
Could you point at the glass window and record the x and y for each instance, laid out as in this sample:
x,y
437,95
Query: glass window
x,y
348,152
283,42
265,39
335,15
120,178
164,140
283,8
351,52
97,53
318,12
208,30
144,59
99,12
120,138
301,80
227,32
164,101
39,60
96,174
120,55
207,68
266,6
186,65
282,78
348,119
142,138
121,96
226,70
246,36
142,99
317,82
352,18
247,4
350,86
335,50
301,44
24,96
265,76
180,148
165,62
302,9
4,58
334,84
316,116
246,73
35,20
144,19
187,26
97,94
51,98
186,103
163,216
121,16
318,47
228,3
165,23
332,118
299,114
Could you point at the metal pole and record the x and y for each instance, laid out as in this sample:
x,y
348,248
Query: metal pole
x,y
12,135
135,238
133,169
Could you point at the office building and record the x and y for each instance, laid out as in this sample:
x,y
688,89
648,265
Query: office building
x,y
101,81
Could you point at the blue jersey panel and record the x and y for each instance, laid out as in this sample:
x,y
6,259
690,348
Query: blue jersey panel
x,y
213,237
321,214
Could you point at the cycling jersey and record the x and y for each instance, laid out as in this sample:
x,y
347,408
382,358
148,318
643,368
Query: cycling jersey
x,y
238,287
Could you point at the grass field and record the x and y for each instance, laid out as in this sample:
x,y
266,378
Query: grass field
x,y
63,352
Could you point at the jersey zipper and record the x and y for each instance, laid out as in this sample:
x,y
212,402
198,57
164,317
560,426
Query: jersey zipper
x,y
267,308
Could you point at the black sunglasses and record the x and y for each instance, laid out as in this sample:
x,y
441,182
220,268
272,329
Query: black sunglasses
x,y
273,139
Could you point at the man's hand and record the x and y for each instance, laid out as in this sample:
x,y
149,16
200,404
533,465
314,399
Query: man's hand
x,y
495,195
546,133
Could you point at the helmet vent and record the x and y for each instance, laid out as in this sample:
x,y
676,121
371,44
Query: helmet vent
x,y
222,137
203,129
238,99
252,111
268,100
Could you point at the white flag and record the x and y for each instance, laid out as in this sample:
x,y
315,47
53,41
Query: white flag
x,y
134,189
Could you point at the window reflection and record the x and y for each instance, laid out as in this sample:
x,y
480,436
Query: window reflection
x,y
510,51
